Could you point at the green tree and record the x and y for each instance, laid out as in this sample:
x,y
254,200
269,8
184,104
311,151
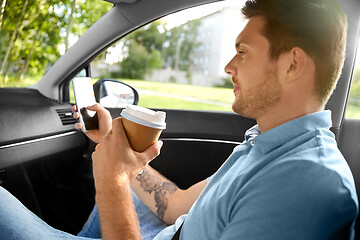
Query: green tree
x,y
355,88
31,31
151,36
142,48
155,46
13,34
181,42
2,8
155,59
139,61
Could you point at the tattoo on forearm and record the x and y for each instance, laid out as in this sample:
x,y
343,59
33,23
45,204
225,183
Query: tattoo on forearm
x,y
152,183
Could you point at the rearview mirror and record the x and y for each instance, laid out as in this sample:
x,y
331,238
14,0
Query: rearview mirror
x,y
112,93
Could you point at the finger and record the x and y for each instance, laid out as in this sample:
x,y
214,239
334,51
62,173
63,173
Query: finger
x,y
101,111
117,126
108,134
96,107
119,131
97,147
78,126
76,115
74,108
93,155
153,151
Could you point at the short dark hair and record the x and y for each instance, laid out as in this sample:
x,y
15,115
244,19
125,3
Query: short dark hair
x,y
319,27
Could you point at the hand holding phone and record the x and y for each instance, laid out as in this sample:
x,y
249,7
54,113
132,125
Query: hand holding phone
x,y
84,97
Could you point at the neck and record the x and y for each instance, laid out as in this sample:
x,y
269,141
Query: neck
x,y
279,114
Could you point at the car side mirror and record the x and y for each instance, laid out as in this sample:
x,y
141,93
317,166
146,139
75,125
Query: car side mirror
x,y
112,93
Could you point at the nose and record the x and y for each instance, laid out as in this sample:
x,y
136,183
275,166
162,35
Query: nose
x,y
230,68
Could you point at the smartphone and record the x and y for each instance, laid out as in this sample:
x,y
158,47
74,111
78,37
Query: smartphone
x,y
85,97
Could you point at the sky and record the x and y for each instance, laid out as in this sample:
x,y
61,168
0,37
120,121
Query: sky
x,y
179,18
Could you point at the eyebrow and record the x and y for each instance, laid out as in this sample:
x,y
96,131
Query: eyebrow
x,y
238,43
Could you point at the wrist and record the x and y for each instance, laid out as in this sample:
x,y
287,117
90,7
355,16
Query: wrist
x,y
110,185
122,180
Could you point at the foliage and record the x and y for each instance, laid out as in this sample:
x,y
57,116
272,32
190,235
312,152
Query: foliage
x,y
227,83
150,36
180,42
32,31
142,48
355,88
152,46
139,61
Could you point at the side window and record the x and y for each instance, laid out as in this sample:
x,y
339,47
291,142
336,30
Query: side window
x,y
34,35
353,105
178,61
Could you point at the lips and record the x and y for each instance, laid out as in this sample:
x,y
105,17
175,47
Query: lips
x,y
236,88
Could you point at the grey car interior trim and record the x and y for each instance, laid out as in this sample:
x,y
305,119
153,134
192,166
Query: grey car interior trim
x,y
38,140
200,140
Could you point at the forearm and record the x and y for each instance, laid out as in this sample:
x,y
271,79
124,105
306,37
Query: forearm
x,y
162,196
156,192
116,211
114,165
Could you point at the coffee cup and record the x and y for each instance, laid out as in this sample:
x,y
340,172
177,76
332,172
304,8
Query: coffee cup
x,y
142,126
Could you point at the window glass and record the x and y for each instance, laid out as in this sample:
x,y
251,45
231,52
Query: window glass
x,y
34,36
353,104
178,61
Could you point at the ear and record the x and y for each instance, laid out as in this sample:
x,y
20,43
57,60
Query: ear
x,y
296,64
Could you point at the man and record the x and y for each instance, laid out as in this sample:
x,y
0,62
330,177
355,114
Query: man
x,y
290,181
287,180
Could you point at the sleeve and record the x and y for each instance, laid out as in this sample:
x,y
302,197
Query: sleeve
x,y
298,200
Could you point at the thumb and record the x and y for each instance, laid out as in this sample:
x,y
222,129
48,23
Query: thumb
x,y
95,107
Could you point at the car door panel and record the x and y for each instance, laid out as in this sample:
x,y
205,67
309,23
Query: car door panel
x,y
41,158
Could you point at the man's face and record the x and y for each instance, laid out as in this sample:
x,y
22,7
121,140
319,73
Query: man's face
x,y
254,75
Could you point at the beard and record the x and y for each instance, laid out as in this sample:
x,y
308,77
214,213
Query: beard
x,y
260,97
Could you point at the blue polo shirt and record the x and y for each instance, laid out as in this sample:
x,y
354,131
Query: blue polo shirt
x,y
290,182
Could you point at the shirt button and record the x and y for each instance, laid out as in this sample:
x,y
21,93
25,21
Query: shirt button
x,y
252,142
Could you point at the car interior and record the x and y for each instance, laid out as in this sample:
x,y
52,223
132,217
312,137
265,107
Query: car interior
x,y
46,163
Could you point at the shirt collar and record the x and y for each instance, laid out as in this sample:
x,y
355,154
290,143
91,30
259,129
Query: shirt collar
x,y
284,133
252,133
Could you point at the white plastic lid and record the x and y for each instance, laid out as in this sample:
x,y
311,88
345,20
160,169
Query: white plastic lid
x,y
144,116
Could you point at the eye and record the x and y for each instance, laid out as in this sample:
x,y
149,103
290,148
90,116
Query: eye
x,y
241,53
